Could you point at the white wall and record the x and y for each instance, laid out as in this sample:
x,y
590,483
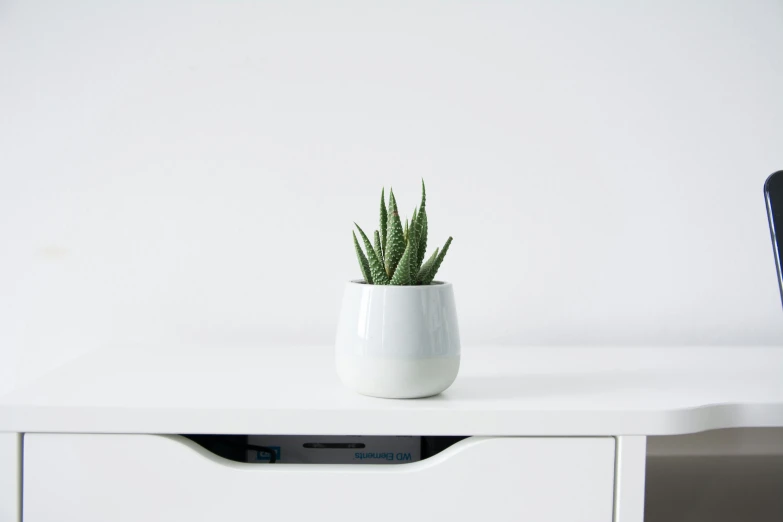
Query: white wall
x,y
190,171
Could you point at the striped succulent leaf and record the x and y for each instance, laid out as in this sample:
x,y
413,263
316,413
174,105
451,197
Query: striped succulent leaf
x,y
421,224
421,233
425,268
430,275
378,247
413,244
402,276
395,240
363,263
384,217
377,272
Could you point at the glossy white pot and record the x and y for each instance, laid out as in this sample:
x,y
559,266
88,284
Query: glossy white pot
x,y
398,342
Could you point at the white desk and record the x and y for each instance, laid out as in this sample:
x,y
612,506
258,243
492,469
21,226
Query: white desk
x,y
558,433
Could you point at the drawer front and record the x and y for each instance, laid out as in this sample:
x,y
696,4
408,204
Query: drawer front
x,y
165,478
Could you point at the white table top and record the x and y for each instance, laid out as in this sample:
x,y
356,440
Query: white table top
x,y
500,391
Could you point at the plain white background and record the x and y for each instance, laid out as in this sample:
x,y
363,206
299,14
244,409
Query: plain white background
x,y
190,171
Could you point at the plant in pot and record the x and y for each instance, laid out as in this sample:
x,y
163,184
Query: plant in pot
x,y
397,336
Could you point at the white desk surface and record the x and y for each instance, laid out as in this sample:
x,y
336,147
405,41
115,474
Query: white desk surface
x,y
500,391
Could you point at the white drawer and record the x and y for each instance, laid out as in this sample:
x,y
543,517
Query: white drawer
x,y
168,478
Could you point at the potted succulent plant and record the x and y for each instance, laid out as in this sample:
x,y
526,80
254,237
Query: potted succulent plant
x,y
397,335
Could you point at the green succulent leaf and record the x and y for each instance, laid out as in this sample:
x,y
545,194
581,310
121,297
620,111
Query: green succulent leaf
x,y
425,268
405,231
430,275
363,263
377,272
395,239
421,233
384,217
413,246
402,276
378,248
421,228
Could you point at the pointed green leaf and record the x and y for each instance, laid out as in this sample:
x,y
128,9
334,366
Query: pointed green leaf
x,y
377,272
421,233
378,247
384,217
395,240
425,268
402,276
427,279
405,231
363,263
413,246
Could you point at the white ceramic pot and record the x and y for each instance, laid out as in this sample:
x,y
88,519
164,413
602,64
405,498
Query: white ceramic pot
x,y
398,342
